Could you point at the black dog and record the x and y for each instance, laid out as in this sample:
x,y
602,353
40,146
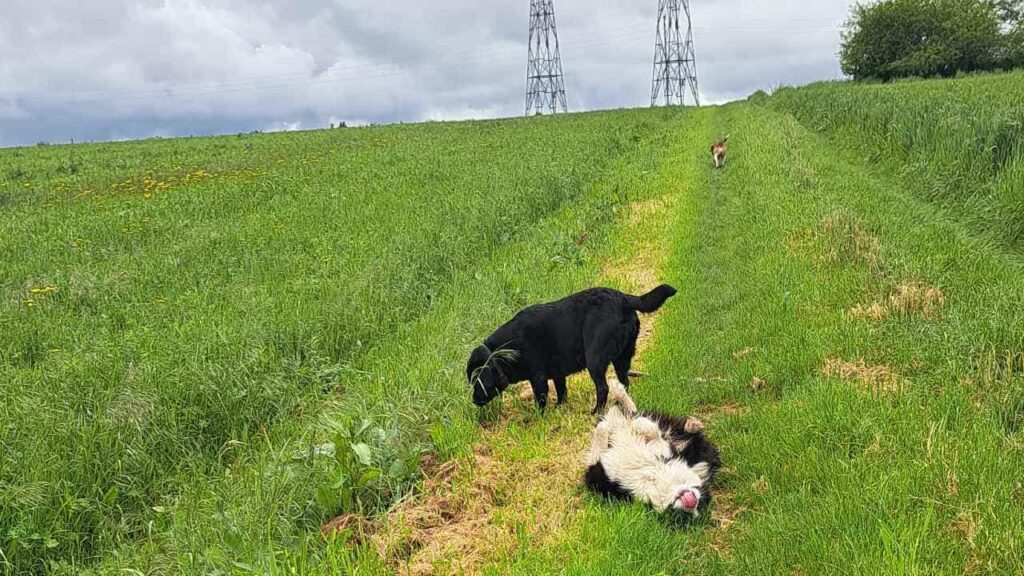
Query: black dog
x,y
588,330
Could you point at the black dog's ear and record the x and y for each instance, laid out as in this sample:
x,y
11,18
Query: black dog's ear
x,y
477,360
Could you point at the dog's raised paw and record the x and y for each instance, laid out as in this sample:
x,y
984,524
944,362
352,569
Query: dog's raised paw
x,y
693,426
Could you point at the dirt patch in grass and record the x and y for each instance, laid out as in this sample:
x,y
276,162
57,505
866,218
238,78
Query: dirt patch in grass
x,y
878,380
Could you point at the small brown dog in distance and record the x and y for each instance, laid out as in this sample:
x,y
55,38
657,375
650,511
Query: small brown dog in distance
x,y
718,152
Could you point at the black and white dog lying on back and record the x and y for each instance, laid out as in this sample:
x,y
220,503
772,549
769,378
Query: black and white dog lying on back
x,y
660,460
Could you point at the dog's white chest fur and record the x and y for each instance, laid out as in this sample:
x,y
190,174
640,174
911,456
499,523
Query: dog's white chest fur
x,y
636,456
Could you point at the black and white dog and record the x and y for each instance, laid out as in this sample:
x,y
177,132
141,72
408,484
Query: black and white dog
x,y
660,460
588,330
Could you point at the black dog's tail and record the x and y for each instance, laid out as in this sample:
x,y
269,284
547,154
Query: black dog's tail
x,y
651,301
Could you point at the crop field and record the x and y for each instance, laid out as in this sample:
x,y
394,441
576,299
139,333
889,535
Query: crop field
x,y
245,355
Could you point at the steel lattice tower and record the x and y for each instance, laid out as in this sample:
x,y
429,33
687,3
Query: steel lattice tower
x,y
675,62
545,86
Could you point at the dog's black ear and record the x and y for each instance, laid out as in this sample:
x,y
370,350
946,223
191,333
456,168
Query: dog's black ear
x,y
477,360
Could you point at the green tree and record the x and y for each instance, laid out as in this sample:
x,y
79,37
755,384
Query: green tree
x,y
899,38
1013,51
1011,12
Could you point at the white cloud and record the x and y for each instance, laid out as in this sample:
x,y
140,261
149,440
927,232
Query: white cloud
x,y
105,68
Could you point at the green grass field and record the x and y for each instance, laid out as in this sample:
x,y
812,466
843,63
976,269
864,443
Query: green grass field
x,y
212,347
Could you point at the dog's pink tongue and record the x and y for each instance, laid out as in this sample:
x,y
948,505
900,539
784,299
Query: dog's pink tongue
x,y
689,500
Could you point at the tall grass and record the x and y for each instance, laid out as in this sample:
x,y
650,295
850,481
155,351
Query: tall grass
x,y
959,143
167,305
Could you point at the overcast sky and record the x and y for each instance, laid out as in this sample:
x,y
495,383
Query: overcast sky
x,y
117,69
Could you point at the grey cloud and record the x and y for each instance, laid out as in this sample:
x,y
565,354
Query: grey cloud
x,y
134,68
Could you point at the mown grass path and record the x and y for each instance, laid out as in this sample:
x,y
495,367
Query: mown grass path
x,y
855,355
517,492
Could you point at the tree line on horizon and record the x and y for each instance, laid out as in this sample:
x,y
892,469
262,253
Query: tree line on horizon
x,y
892,39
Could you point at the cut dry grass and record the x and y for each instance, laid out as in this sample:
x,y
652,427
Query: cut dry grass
x,y
838,239
873,311
741,354
728,409
906,300
878,380
478,511
481,508
917,299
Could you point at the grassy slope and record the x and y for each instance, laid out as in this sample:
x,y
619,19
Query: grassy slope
x,y
340,302
412,382
193,319
824,474
953,142
905,460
